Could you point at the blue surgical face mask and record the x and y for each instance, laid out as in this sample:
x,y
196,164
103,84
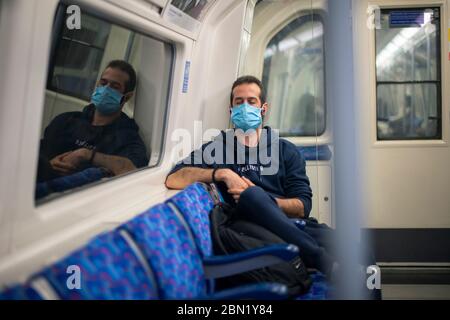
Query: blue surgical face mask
x,y
107,100
246,117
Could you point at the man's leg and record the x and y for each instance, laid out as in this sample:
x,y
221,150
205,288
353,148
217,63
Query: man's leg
x,y
257,206
324,237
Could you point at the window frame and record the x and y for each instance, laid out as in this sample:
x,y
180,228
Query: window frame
x,y
58,23
281,33
438,82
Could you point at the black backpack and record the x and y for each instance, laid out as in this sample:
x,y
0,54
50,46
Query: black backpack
x,y
231,235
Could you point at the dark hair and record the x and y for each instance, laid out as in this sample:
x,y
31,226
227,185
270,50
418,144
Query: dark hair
x,y
249,80
128,69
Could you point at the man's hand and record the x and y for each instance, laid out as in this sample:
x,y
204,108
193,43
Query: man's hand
x,y
62,167
236,184
230,178
236,193
69,162
249,182
77,157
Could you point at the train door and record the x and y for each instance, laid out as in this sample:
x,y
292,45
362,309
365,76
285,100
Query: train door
x,y
402,105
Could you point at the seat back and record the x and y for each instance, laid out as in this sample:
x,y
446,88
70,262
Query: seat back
x,y
109,270
20,292
75,180
195,204
320,289
170,251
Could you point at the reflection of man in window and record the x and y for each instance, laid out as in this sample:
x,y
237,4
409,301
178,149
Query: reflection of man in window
x,y
99,136
190,7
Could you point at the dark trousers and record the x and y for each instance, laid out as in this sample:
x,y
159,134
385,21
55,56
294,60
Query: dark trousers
x,y
258,206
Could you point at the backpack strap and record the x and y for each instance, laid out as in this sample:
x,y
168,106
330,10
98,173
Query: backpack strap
x,y
214,193
219,218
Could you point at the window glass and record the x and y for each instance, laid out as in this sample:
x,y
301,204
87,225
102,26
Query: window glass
x,y
294,78
105,107
408,74
194,8
78,57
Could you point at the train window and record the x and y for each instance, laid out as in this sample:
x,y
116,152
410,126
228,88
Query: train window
x,y
408,64
77,75
294,77
106,104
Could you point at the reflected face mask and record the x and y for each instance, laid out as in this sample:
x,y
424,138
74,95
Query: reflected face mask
x,y
107,100
246,117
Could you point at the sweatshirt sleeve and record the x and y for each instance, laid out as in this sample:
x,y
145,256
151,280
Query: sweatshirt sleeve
x,y
297,183
49,147
195,160
135,150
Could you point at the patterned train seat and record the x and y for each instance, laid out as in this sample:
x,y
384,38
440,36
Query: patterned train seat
x,y
320,289
170,252
195,203
160,254
20,292
109,270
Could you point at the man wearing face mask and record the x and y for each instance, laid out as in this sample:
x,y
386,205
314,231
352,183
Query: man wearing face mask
x,y
271,200
99,136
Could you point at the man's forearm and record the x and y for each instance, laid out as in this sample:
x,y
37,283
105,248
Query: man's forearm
x,y
293,208
117,165
187,176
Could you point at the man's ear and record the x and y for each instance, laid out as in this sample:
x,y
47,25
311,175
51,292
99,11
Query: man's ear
x,y
265,108
127,97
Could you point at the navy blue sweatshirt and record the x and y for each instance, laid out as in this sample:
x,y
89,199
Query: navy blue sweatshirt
x,y
288,182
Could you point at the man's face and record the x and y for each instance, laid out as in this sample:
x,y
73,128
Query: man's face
x,y
117,80
250,93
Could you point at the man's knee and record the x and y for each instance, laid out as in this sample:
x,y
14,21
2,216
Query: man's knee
x,y
252,195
